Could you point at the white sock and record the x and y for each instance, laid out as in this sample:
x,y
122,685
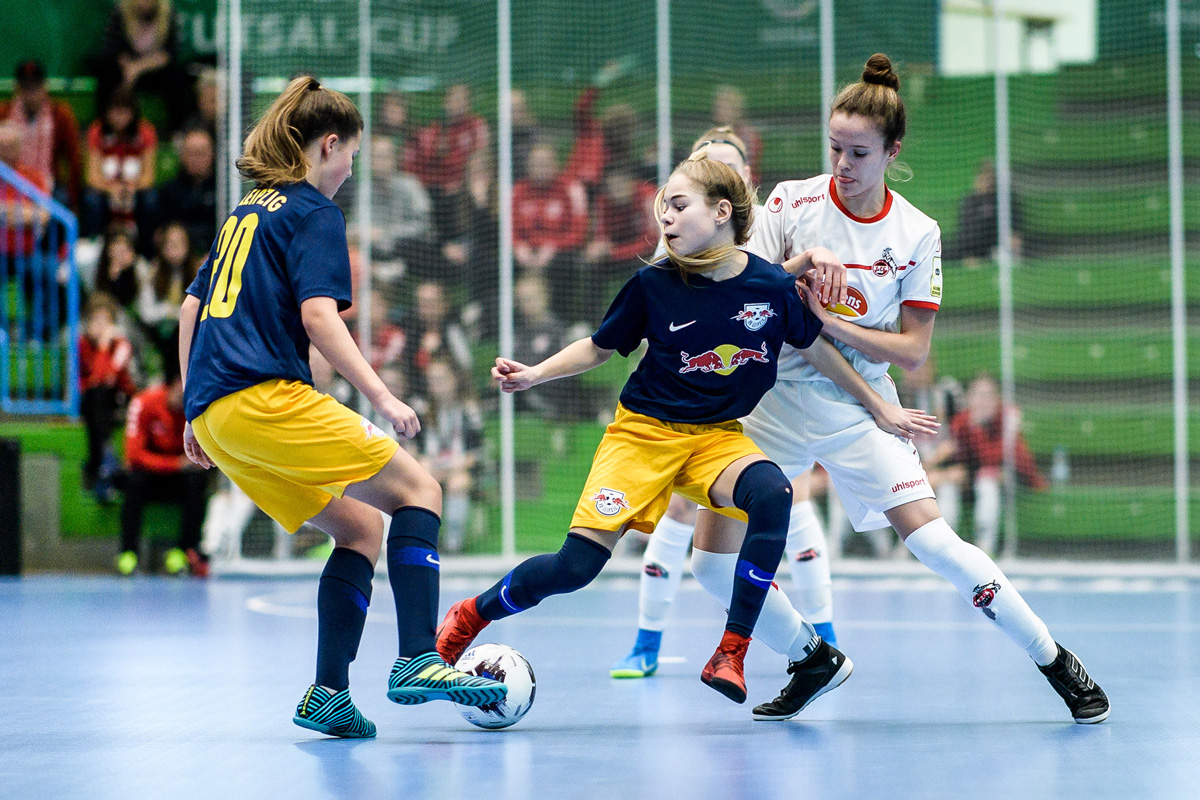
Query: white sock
x,y
808,560
780,627
662,567
978,579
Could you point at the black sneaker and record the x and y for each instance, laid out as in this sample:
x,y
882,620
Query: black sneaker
x,y
827,668
1087,701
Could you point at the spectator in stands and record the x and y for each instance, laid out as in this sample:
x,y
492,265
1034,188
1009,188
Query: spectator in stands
x,y
141,53
449,444
388,339
117,272
105,382
435,335
438,156
122,149
49,134
626,231
207,109
161,285
550,222
979,432
524,133
23,220
728,110
157,470
401,215
978,221
537,335
942,397
392,120
190,197
473,259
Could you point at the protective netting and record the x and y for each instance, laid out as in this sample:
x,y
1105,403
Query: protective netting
x,y
1091,326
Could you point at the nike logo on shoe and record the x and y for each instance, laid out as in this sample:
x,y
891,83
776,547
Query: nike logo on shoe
x,y
675,327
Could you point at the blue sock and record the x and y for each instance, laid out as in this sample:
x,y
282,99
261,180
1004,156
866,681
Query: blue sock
x,y
534,579
763,492
825,631
342,599
413,564
647,641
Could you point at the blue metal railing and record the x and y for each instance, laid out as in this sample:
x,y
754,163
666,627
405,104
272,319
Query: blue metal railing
x,y
39,302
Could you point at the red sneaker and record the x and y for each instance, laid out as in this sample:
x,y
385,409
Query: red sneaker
x,y
724,671
459,628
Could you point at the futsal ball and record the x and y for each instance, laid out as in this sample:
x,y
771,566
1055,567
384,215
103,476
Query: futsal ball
x,y
500,663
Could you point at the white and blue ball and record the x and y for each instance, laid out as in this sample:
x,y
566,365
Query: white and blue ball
x,y
500,663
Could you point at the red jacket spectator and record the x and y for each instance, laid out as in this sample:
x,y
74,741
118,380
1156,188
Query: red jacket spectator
x,y
981,447
553,213
629,228
49,132
154,433
106,366
120,157
588,153
23,219
438,153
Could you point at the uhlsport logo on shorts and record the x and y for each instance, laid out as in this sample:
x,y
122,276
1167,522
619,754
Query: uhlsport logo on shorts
x,y
610,502
754,315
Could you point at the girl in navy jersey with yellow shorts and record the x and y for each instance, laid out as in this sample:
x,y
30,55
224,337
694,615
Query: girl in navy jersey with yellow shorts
x,y
275,280
715,318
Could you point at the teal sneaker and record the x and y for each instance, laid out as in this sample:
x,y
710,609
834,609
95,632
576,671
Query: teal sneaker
x,y
332,714
642,661
427,677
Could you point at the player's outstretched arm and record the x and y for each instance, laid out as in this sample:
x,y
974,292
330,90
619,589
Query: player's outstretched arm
x,y
577,357
902,421
908,348
328,333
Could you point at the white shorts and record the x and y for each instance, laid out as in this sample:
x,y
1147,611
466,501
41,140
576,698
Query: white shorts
x,y
801,422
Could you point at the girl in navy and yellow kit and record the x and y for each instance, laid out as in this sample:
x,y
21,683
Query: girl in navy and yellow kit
x,y
275,280
714,318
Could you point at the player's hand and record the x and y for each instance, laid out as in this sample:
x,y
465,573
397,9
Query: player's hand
x,y
513,376
193,450
906,422
813,300
828,276
402,418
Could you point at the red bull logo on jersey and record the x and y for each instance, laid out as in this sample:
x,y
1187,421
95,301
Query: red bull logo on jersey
x,y
854,307
724,359
754,315
610,502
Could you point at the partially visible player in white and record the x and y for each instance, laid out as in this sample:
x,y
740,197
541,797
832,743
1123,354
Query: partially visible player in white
x,y
662,561
893,255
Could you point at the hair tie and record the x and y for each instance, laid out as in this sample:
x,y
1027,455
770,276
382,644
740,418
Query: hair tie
x,y
725,141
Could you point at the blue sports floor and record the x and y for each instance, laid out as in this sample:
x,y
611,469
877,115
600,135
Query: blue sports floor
x,y
183,689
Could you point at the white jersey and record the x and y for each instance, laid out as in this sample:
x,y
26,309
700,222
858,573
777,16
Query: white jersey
x,y
892,259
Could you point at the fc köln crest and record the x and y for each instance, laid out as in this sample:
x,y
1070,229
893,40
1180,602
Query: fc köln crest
x,y
754,315
886,263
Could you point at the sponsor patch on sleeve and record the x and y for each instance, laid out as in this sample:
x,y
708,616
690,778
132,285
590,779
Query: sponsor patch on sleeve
x,y
935,280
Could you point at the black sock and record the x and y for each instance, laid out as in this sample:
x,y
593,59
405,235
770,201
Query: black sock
x,y
342,599
763,492
413,563
534,579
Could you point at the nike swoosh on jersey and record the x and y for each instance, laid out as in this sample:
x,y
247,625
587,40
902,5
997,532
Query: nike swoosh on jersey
x,y
675,327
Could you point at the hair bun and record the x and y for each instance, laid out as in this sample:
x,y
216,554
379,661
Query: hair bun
x,y
879,71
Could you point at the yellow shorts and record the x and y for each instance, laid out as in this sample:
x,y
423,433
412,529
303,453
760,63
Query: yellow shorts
x,y
291,448
642,460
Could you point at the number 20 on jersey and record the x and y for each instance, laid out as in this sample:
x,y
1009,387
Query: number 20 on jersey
x,y
233,248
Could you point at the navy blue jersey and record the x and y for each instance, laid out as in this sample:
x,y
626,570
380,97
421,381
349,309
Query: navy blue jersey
x,y
277,249
713,345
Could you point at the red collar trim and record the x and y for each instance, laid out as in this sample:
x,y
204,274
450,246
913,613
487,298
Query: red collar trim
x,y
887,203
